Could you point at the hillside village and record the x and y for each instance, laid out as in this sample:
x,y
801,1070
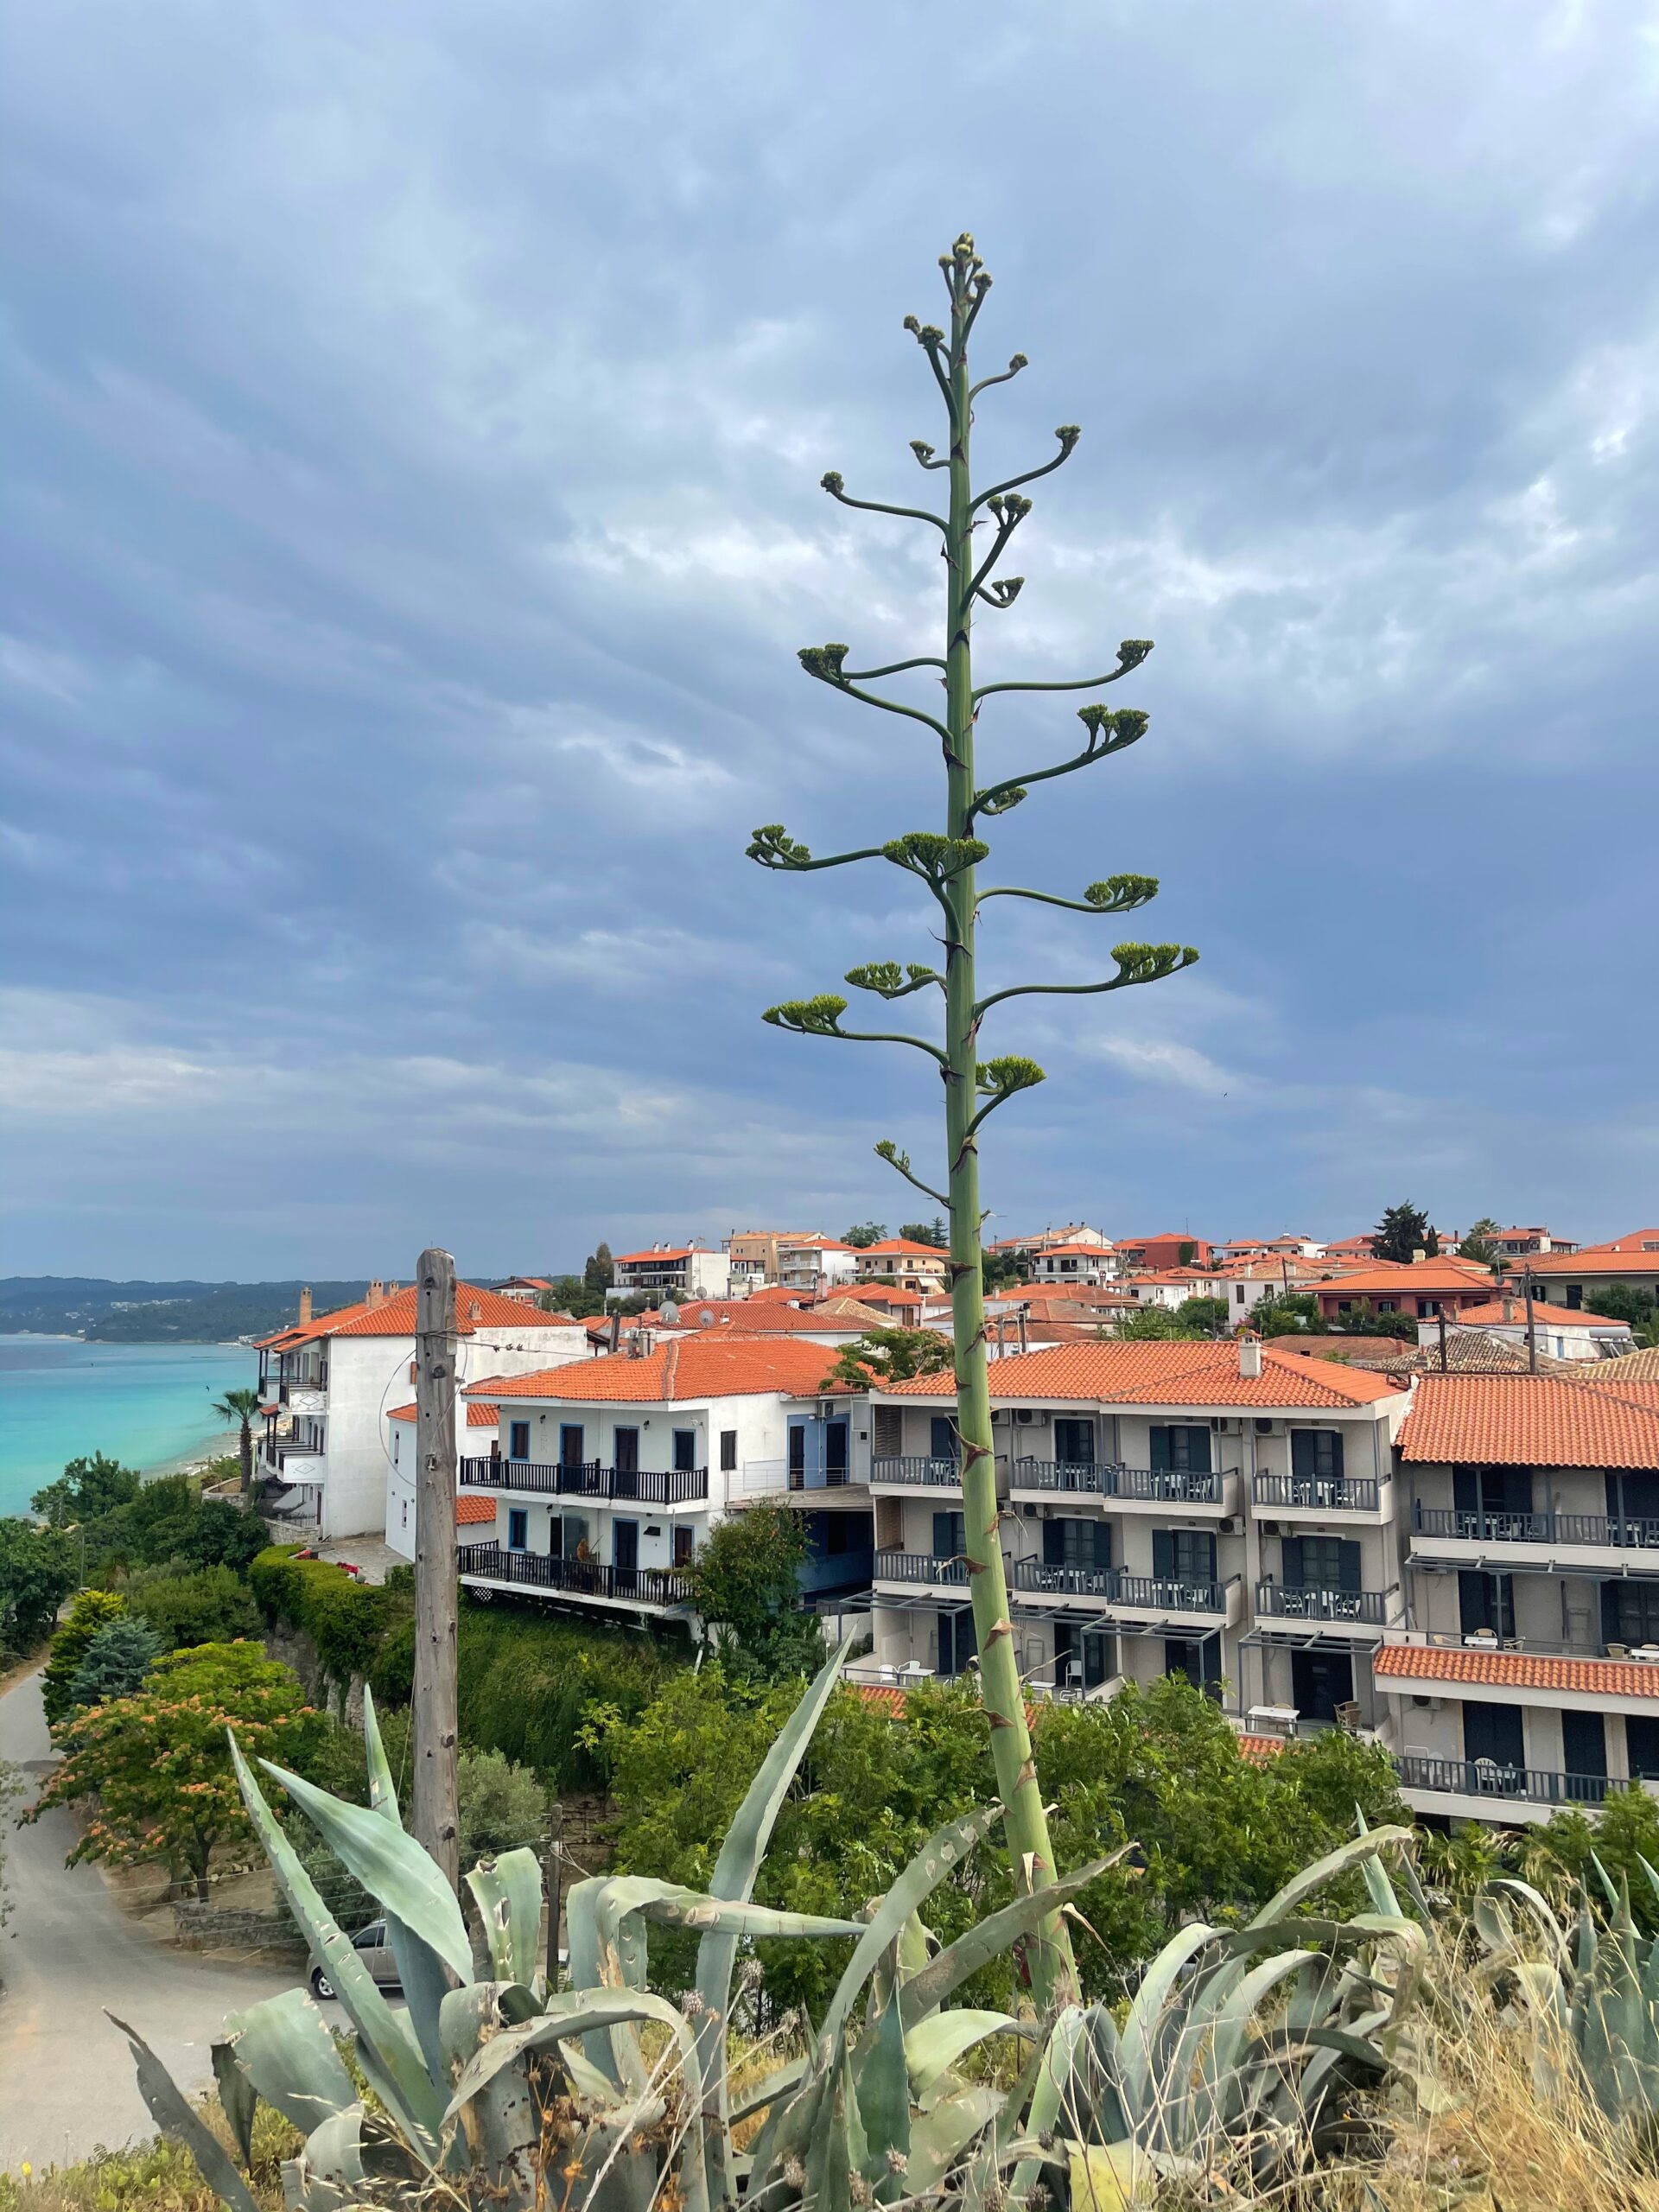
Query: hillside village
x,y
1416,1498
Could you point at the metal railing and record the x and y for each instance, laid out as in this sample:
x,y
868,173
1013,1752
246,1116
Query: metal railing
x,y
647,1585
1622,1532
1282,1602
917,1567
277,1451
1111,1585
1324,1493
1103,1478
1491,1778
939,1474
588,1478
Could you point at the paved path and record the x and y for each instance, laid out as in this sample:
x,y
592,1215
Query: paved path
x,y
68,1951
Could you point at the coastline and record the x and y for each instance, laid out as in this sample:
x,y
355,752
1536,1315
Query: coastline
x,y
227,1445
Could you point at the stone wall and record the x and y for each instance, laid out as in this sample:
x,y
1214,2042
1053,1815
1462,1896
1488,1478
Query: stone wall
x,y
235,1928
296,1649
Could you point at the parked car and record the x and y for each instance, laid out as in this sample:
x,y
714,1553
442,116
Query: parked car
x,y
371,1945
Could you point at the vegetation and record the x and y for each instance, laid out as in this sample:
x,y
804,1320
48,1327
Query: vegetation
x,y
934,1232
206,1604
117,1659
37,1573
237,1408
863,1234
1207,1315
998,1270
1619,1301
745,1582
158,1765
1477,1244
344,1618
947,868
1153,1322
85,1490
168,1522
1285,1313
92,1611
881,1358
1402,1231
1363,1320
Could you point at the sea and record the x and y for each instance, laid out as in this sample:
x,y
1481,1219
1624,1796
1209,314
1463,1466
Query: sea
x,y
149,1406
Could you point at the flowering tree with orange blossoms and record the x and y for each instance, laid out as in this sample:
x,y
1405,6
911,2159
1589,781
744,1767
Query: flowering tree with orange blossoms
x,y
157,1765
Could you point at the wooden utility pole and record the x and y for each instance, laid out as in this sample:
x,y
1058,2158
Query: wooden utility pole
x,y
433,1717
1532,1324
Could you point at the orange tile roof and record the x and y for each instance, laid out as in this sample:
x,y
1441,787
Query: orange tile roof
x,y
710,1364
771,1293
728,1314
1426,1277
1155,1372
470,1508
480,1414
1630,1366
1637,1253
905,1246
1502,1312
1431,1662
395,1317
632,1259
1527,1421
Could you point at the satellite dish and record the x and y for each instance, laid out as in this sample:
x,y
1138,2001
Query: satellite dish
x,y
706,1318
669,1313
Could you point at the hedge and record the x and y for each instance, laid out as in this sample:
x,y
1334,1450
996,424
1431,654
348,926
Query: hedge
x,y
344,1618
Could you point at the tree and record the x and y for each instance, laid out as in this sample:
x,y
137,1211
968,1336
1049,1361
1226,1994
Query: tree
x,y
170,1520
1207,1315
744,1581
37,1573
1153,1322
881,1358
240,1407
1619,1301
1477,1244
87,1490
213,1605
117,1659
158,1764
946,867
1363,1320
92,1611
1402,1231
998,1270
597,1274
933,1232
863,1234
1285,1313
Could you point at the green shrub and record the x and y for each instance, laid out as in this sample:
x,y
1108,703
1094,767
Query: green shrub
x,y
212,1605
117,1659
344,1618
93,1609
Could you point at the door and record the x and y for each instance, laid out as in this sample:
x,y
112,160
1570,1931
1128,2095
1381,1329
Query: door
x,y
1082,1548
950,1535
685,1543
1315,1465
371,1945
835,1453
1584,1756
517,1528
797,1455
942,1438
957,1644
1180,1450
1197,1657
625,1555
1083,1657
1320,1682
1074,1443
571,1444
1642,1745
1486,1601
1494,1743
624,1449
1630,1612
518,1440
1492,1502
1185,1557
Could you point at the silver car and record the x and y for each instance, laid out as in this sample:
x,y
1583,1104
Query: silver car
x,y
371,1945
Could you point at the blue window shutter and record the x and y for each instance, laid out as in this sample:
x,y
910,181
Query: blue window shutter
x,y
1197,1451
1160,1451
1053,1543
1301,1453
1163,1553
1102,1544
1291,1548
1333,1452
943,1440
1348,1557
942,1546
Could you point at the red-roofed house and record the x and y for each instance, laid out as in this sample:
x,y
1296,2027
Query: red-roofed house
x,y
1557,1331
675,1271
1572,1278
1214,1509
327,1380
1421,1289
477,1432
912,1266
1171,1248
1530,1677
1063,1266
812,1266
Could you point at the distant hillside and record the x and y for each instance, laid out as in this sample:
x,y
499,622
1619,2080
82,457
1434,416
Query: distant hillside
x,y
142,1313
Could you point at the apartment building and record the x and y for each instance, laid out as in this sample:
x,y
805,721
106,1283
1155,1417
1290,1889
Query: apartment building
x,y
1529,1677
478,1430
753,1256
922,1268
1421,1289
1064,1265
1217,1510
813,1266
1521,1244
1171,1248
328,1382
606,1478
1630,1261
677,1271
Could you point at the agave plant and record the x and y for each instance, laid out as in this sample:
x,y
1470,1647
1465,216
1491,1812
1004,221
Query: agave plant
x,y
1591,1994
491,2083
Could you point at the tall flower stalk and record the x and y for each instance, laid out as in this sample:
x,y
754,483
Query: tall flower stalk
x,y
948,865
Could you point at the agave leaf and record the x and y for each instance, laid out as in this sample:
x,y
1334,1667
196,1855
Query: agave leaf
x,y
507,1890
744,2103
330,2169
383,1789
1535,1903
1108,2176
386,2049
390,1865
502,2124
236,2099
830,2156
285,2049
939,2138
1049,2094
934,2044
880,2095
933,1863
1144,2030
1228,2023
1346,1856
927,1989
788,2127
173,2115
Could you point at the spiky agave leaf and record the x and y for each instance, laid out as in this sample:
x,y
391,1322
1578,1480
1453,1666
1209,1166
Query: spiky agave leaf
x,y
284,2048
507,1890
174,2114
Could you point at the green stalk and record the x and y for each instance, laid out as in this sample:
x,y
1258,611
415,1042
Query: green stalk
x,y
1024,1821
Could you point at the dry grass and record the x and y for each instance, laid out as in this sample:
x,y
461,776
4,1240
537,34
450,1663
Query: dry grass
x,y
158,2177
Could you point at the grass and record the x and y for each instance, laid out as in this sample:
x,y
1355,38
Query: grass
x,y
157,2177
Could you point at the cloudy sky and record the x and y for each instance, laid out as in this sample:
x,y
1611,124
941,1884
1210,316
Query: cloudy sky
x,y
415,419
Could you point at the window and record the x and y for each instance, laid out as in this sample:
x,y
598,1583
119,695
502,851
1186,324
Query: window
x,y
889,1432
518,1440
1316,1454
1575,1295
950,1535
1385,1306
1073,1542
1238,1293
1630,1612
517,1528
1180,1450
1184,1555
571,1444
685,1451
684,1544
957,1644
727,1450
797,1455
942,1438
1321,1563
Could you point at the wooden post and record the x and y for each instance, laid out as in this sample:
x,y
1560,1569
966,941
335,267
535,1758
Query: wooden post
x,y
434,1720
554,1870
1532,1324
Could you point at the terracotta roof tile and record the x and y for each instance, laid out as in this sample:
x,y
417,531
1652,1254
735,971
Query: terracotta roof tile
x,y
469,1509
395,1317
1427,1278
1511,1312
1155,1372
903,1246
712,1364
1527,1421
1419,1662
1630,1366
480,1414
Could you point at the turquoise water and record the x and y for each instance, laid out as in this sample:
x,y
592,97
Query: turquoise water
x,y
143,1404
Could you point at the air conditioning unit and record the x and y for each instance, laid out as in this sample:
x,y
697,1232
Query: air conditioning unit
x,y
1024,1415
1227,1528
1029,1511
998,1414
1269,1528
1264,1427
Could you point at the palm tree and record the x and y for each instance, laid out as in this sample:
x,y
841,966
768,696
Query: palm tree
x,y
241,1406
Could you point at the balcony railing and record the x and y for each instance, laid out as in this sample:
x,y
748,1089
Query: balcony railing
x,y
1488,1778
277,1451
1110,1585
936,1474
1621,1532
1322,1493
919,1567
1142,1486
639,1585
1281,1602
588,1478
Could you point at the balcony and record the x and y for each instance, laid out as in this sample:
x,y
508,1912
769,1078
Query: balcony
x,y
1316,1494
588,1478
658,1587
1153,1599
1484,1790
282,1455
1207,1489
920,1567
917,1474
304,1394
1591,1543
1329,1608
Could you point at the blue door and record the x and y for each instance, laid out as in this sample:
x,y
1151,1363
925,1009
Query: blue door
x,y
517,1529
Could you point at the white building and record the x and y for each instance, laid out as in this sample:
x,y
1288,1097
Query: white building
x,y
477,1430
1529,1676
607,1477
1064,1265
810,1266
912,1266
677,1271
1211,1508
1557,1331
327,1384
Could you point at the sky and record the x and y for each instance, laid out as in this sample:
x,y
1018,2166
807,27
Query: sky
x,y
416,415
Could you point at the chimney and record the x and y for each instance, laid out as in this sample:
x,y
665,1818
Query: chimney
x,y
1250,1355
305,1306
375,1296
1418,1257
1509,1309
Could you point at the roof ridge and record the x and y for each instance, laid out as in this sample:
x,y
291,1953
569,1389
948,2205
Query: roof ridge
x,y
670,1368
